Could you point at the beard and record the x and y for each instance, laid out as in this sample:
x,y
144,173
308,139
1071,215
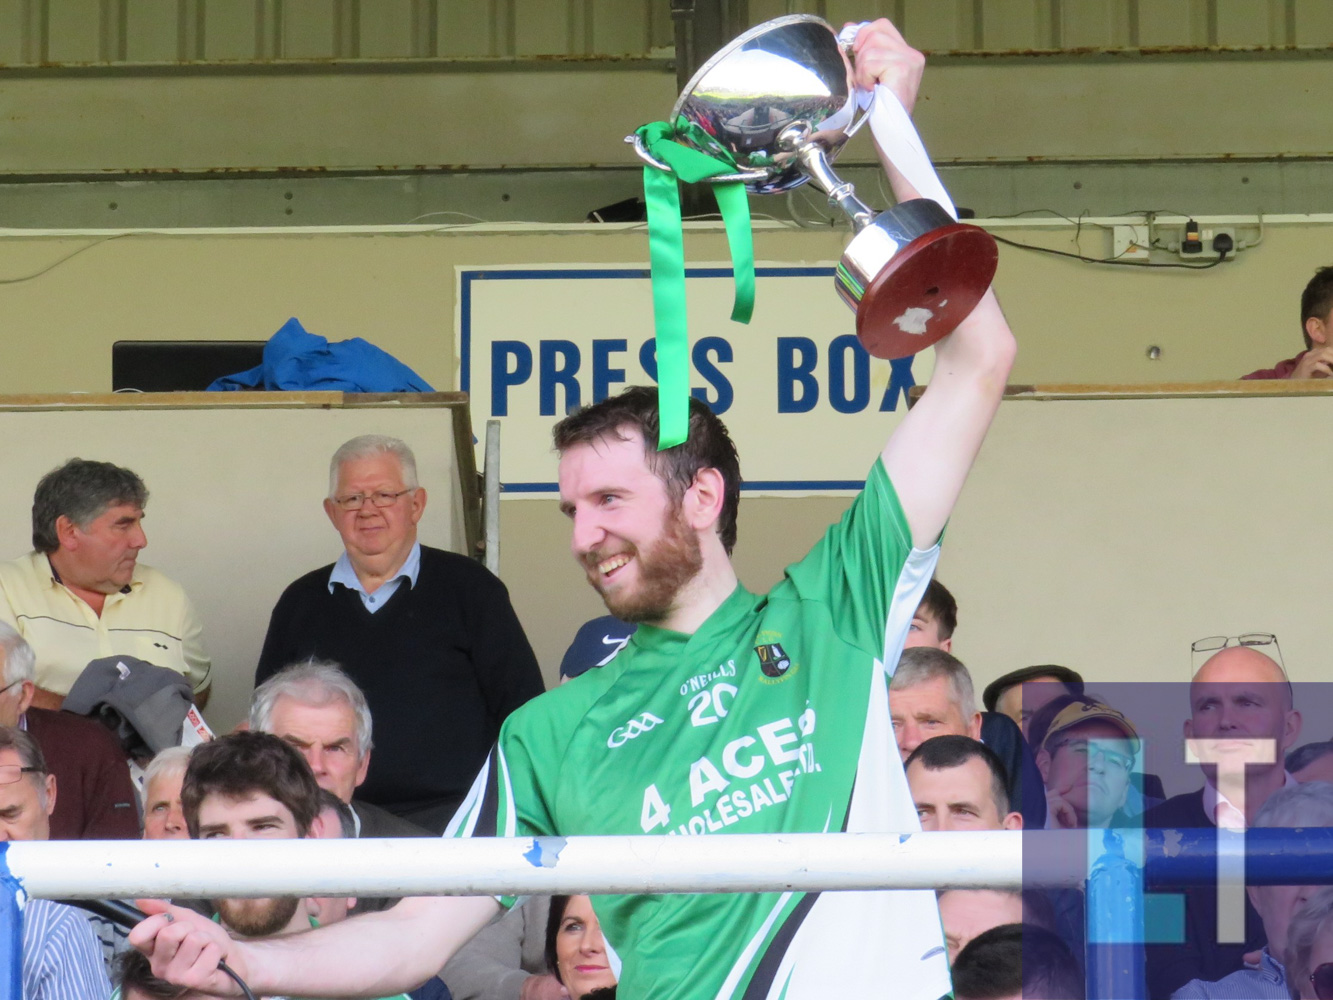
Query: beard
x,y
673,560
257,917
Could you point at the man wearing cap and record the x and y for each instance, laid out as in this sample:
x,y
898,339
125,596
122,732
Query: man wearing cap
x,y
1086,758
82,593
1021,692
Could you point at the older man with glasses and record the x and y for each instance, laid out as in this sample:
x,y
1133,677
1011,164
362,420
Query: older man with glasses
x,y
61,957
430,637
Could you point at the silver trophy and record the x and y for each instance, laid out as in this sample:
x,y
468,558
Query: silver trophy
x,y
780,102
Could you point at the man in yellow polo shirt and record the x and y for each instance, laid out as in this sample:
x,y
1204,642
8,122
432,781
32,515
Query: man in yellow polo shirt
x,y
81,593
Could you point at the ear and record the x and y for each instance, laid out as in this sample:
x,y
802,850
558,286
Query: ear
x,y
362,769
27,690
974,728
1316,330
418,505
947,644
67,532
1292,730
1188,729
50,794
1250,891
1014,821
703,501
331,509
317,830
1043,760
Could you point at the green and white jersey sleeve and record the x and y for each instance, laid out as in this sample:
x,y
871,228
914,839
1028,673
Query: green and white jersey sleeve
x,y
771,718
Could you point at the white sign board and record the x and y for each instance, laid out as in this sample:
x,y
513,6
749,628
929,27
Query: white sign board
x,y
808,408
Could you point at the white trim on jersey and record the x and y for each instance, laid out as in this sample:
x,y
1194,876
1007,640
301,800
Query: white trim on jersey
x,y
912,583
746,957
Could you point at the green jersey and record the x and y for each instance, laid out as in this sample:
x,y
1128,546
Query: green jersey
x,y
771,718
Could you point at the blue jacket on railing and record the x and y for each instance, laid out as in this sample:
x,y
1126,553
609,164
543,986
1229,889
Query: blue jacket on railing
x,y
296,359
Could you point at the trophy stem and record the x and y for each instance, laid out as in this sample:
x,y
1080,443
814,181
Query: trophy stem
x,y
840,193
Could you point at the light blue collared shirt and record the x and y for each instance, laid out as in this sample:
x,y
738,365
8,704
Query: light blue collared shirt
x,y
344,574
1267,982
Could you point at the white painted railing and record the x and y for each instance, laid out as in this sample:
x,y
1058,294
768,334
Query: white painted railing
x,y
486,866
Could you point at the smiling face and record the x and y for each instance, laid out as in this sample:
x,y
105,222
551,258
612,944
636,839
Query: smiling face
x,y
580,950
376,533
326,737
100,556
630,538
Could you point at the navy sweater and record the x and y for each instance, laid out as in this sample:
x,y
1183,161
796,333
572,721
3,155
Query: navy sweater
x,y
442,664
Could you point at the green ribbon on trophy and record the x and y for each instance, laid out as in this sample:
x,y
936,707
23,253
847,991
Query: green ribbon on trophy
x,y
667,254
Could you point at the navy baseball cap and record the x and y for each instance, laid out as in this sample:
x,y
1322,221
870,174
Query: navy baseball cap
x,y
595,644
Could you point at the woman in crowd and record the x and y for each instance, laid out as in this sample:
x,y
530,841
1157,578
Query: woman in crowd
x,y
575,950
1310,948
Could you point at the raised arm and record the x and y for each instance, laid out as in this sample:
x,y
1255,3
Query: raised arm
x,y
929,454
374,955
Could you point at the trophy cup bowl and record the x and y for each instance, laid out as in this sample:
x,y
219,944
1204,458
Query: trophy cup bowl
x,y
780,102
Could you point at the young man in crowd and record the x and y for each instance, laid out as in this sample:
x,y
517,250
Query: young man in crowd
x,y
1316,361
726,711
957,783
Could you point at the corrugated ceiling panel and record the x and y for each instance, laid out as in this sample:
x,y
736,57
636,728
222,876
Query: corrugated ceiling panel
x,y
621,27
386,29
151,33
1173,22
941,25
75,30
542,27
1250,22
1016,24
11,31
229,29
1314,22
307,29
477,28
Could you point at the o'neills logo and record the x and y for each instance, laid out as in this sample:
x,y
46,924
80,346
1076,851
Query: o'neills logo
x,y
635,727
773,660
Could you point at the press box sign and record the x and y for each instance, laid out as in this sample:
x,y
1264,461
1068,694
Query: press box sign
x,y
808,408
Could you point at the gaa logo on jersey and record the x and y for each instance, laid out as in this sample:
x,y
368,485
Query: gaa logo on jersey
x,y
773,660
634,728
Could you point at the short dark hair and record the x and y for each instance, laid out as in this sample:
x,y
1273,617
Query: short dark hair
x,y
1017,959
941,753
239,765
82,491
942,607
346,818
708,446
1302,757
1316,300
557,914
132,971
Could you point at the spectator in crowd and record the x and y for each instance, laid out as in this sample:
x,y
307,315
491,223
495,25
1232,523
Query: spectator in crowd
x,y
1086,758
82,593
428,635
1017,962
935,619
336,819
966,913
134,980
320,711
957,783
162,779
595,644
1316,361
1020,693
576,952
1312,762
1310,948
1241,711
97,800
931,694
1305,805
62,959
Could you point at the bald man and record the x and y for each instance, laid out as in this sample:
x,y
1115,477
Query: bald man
x,y
1241,719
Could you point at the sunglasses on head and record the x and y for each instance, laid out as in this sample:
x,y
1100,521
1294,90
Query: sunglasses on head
x,y
1322,981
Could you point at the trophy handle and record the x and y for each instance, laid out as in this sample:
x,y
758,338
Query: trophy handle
x,y
742,176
